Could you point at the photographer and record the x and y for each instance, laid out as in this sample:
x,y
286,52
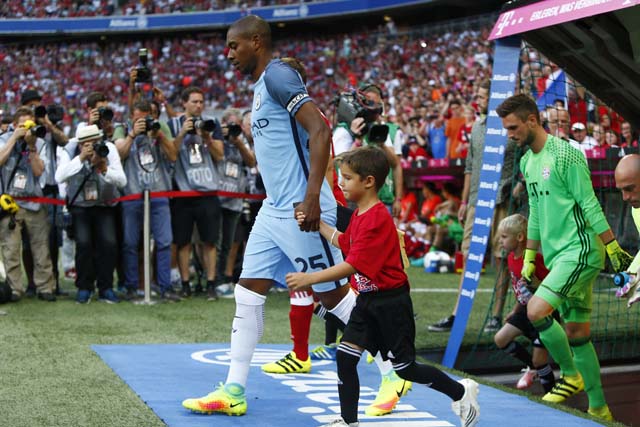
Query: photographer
x,y
93,173
199,144
50,118
367,131
147,151
158,96
233,178
22,163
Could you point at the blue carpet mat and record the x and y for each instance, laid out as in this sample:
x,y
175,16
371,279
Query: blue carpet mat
x,y
165,374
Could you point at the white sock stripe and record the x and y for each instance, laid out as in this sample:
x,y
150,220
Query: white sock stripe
x,y
301,299
400,366
350,350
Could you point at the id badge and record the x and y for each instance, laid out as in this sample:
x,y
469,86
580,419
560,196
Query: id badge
x,y
90,191
146,157
20,181
231,169
195,157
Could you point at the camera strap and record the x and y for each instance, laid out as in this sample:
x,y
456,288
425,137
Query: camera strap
x,y
15,170
82,184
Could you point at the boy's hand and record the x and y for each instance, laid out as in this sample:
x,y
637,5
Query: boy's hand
x,y
298,281
300,216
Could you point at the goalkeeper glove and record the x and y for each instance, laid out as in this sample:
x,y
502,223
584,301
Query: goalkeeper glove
x,y
529,264
620,259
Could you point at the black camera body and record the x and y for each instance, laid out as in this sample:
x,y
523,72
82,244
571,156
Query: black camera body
x,y
234,130
144,74
105,113
352,105
151,124
205,125
38,131
54,111
101,149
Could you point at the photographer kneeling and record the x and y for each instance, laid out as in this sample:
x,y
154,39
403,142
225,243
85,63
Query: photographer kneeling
x,y
93,174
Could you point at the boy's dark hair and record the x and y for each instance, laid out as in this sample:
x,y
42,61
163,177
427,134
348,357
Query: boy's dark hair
x,y
520,105
142,105
455,102
296,65
367,161
485,84
184,96
94,97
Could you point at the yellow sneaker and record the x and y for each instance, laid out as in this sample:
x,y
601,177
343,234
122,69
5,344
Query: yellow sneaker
x,y
290,364
603,413
392,388
565,387
219,401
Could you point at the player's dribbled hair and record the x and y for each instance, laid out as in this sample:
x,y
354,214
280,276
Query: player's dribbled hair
x,y
368,161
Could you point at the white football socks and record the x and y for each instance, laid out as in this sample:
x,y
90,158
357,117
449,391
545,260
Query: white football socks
x,y
246,331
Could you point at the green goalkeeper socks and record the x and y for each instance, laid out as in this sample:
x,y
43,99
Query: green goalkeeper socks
x,y
555,340
586,361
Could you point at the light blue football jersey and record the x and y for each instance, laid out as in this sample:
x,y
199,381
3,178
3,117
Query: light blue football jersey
x,y
281,143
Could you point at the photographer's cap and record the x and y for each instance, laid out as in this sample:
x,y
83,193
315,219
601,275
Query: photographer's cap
x,y
30,95
88,133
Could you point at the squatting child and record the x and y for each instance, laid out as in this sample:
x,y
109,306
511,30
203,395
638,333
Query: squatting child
x,y
382,319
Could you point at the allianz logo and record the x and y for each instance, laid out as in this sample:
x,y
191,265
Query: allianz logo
x,y
476,257
480,221
492,168
472,276
486,203
493,149
497,131
489,185
479,239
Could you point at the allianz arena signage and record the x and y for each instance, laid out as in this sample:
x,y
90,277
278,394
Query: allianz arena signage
x,y
183,21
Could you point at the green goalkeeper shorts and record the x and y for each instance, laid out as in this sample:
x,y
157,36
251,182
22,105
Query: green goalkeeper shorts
x,y
568,288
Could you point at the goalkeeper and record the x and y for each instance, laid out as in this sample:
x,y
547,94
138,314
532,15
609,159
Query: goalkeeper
x,y
628,182
567,221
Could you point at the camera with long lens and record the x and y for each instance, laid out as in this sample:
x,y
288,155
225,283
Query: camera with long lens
x,y
352,105
234,130
144,74
36,130
151,124
54,111
205,125
101,149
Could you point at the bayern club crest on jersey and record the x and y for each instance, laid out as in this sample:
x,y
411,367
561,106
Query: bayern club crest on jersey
x,y
546,172
258,102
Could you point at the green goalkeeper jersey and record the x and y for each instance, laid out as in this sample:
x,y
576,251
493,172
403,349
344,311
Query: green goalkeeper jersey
x,y
565,215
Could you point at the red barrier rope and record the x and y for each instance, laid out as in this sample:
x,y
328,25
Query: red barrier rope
x,y
154,195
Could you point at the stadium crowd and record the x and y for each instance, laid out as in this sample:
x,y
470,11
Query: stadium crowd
x,y
428,85
86,8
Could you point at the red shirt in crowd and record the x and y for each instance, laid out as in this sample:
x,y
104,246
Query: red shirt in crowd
x,y
371,246
409,207
429,206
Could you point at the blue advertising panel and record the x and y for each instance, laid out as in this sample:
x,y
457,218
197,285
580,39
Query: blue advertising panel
x,y
195,20
503,84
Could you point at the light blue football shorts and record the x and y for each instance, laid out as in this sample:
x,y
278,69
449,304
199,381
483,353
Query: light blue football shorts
x,y
277,246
